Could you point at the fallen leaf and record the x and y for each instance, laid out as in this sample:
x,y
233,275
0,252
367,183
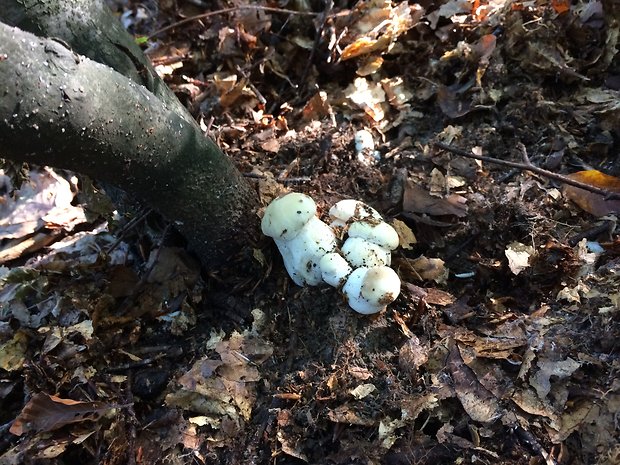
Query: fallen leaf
x,y
561,6
428,268
518,256
369,96
595,204
43,201
317,107
450,103
559,370
348,414
529,402
412,355
397,93
480,404
418,200
44,412
13,352
406,238
381,24
226,386
363,390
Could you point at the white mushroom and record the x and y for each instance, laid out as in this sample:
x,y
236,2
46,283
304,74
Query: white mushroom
x,y
360,252
334,269
301,237
377,232
348,210
307,246
285,216
370,290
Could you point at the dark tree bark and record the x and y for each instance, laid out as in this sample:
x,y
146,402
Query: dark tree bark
x,y
90,29
61,109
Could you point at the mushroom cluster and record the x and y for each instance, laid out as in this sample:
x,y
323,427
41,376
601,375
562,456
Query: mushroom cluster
x,y
309,248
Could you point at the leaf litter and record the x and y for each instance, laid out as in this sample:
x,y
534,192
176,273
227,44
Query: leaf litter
x,y
503,347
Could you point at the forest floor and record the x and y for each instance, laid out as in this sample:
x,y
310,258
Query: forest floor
x,y
503,346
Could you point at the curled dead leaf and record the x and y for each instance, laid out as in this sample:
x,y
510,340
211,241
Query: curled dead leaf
x,y
44,412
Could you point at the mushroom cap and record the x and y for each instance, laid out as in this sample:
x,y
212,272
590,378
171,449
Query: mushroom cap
x,y
303,253
352,290
349,209
381,285
334,269
377,232
285,216
360,252
370,290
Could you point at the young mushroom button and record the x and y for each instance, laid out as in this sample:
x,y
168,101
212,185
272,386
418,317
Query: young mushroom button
x,y
370,290
301,237
286,216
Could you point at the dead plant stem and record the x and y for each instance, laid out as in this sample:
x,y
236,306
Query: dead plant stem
x,y
526,165
230,10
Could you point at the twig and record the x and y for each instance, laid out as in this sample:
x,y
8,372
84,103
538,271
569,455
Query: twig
x,y
130,224
144,362
230,10
526,165
329,5
279,179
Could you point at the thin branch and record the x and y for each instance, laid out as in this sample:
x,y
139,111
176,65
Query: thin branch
x,y
230,10
526,165
329,5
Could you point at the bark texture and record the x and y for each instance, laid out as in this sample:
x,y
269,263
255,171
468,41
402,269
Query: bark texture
x,y
89,28
60,109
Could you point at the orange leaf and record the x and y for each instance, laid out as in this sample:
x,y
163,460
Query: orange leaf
x,y
359,47
595,204
561,6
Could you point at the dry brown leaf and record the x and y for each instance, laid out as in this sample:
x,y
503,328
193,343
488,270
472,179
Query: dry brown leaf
x,y
418,200
412,355
226,386
450,103
529,402
485,346
595,204
43,201
348,414
436,296
44,412
381,24
480,404
406,238
428,268
317,107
